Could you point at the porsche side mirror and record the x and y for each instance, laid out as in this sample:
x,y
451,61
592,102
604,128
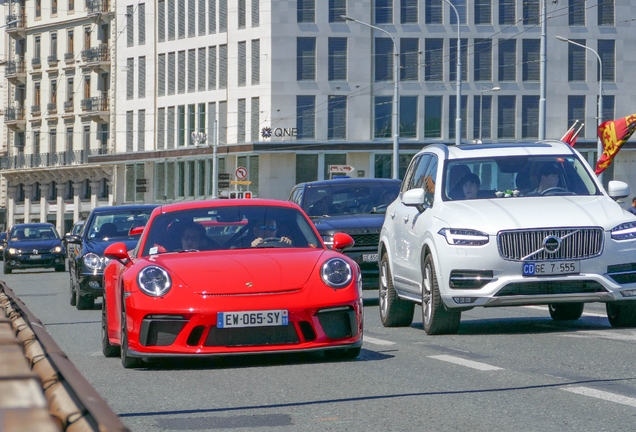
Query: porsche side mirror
x,y
617,189
342,241
117,251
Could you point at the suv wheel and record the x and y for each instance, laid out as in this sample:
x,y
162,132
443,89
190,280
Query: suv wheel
x,y
73,297
394,312
566,311
437,319
621,315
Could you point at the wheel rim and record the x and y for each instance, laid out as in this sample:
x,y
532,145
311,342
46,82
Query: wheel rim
x,y
384,289
427,292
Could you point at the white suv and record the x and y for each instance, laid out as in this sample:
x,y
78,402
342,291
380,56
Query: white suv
x,y
505,225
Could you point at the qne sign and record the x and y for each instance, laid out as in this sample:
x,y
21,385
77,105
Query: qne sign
x,y
268,132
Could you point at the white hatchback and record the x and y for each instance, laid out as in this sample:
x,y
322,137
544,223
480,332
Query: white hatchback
x,y
504,225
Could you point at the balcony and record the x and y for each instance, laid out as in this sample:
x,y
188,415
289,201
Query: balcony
x,y
36,63
94,7
15,70
52,60
35,110
43,160
96,107
18,23
68,105
69,57
14,118
51,108
97,57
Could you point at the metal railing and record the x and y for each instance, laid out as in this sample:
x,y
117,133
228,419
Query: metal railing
x,y
13,114
95,104
36,62
51,107
69,56
14,67
68,105
52,59
17,21
41,160
96,54
97,6
35,110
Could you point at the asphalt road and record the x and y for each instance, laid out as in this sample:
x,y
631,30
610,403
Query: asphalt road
x,y
508,369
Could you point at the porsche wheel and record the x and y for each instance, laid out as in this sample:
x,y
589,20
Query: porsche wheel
x,y
394,312
343,354
107,349
73,297
437,319
621,315
566,311
127,361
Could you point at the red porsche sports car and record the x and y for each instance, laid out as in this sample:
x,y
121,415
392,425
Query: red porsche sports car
x,y
230,277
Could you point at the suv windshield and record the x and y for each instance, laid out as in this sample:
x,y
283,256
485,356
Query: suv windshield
x,y
516,176
343,198
108,226
33,233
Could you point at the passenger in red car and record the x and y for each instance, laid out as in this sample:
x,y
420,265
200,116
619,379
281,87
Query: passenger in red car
x,y
267,231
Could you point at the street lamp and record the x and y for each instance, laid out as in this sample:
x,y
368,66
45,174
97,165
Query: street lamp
x,y
481,94
396,95
599,118
458,113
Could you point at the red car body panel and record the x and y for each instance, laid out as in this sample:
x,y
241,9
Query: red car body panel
x,y
208,282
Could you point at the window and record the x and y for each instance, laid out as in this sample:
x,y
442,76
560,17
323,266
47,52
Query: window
x,y
452,62
337,59
54,94
181,131
36,142
256,16
306,11
241,14
434,60
38,48
70,48
305,117
337,8
201,77
242,64
240,121
201,114
507,13
531,51
53,47
460,5
129,131
171,127
212,122
531,12
86,138
171,20
433,11
38,8
222,16
201,178
192,70
383,11
141,92
212,68
483,12
507,59
408,11
452,115
255,119
141,18
256,62
606,12
160,181
530,117
181,79
171,73
607,52
161,21
608,107
482,117
576,111
53,141
222,123
383,116
409,59
408,116
134,172
130,80
192,23
483,60
130,26
506,119
192,125
53,7
383,59
306,168
223,66
337,117
576,12
576,61
141,130
202,17
161,73
161,128
181,16
306,59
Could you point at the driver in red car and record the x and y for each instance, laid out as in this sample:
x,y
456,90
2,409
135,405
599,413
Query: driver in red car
x,y
266,231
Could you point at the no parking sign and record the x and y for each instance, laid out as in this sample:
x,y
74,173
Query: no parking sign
x,y
241,173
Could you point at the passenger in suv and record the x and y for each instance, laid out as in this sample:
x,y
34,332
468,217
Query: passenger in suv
x,y
542,230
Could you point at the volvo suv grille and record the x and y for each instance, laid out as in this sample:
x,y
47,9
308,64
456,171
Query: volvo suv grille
x,y
528,245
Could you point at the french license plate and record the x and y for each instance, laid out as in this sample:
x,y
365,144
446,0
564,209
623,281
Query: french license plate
x,y
252,319
370,257
36,256
551,268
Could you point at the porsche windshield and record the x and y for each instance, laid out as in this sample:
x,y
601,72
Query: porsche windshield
x,y
516,176
229,227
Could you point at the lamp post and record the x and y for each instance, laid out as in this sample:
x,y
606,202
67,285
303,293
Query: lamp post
x,y
396,94
458,112
599,118
481,96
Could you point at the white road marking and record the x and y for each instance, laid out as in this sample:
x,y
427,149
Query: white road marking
x,y
467,363
602,334
590,314
599,394
371,340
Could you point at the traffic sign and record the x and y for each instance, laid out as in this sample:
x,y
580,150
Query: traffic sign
x,y
241,173
224,184
341,168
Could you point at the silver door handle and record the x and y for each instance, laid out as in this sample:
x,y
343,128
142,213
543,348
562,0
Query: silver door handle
x,y
406,218
392,215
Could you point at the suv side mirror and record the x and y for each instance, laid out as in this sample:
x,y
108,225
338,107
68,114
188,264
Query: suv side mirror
x,y
617,189
415,198
73,239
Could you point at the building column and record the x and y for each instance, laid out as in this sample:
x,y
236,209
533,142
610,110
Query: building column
x,y
44,202
111,193
11,192
59,219
77,189
28,193
94,191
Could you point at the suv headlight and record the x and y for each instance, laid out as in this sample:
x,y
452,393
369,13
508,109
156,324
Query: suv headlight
x,y
92,261
336,273
154,281
328,240
464,237
624,231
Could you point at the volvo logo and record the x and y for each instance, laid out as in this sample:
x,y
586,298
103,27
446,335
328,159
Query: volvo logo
x,y
551,244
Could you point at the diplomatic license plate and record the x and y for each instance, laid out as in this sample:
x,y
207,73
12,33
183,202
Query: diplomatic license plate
x,y
369,257
551,268
252,319
36,256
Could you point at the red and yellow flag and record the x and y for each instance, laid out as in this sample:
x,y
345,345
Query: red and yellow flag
x,y
613,135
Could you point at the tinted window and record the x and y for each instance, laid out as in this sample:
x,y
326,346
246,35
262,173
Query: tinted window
x,y
419,173
350,198
116,225
408,176
33,233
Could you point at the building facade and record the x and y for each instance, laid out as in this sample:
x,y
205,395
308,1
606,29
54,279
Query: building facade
x,y
287,88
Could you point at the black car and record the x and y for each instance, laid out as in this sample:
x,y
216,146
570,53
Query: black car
x,y
104,226
35,245
75,231
353,206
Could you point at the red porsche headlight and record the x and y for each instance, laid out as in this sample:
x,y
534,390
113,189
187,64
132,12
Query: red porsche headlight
x,y
336,273
154,281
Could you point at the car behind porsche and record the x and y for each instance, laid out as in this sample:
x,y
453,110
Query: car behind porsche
x,y
235,291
